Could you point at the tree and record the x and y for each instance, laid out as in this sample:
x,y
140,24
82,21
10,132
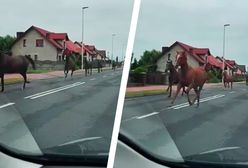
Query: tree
x,y
6,43
134,64
150,57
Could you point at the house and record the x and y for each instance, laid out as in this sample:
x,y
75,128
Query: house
x,y
228,65
241,69
196,56
40,44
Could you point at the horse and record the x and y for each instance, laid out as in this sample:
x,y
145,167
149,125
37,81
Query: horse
x,y
14,64
99,66
193,78
70,64
173,77
113,65
87,66
227,79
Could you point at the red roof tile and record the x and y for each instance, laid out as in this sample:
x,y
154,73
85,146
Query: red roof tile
x,y
51,36
197,53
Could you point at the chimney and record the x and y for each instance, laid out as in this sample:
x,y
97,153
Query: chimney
x,y
19,34
164,50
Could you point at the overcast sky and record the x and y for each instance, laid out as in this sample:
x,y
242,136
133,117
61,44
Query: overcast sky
x,y
195,22
102,19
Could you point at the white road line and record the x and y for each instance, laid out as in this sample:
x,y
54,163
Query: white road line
x,y
80,140
201,101
54,91
6,105
147,115
220,149
50,90
93,79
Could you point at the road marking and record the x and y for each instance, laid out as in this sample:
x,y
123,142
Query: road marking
x,y
220,149
6,105
93,79
147,115
232,92
80,140
201,100
50,90
35,96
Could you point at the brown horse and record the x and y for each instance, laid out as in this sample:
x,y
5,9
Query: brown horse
x,y
70,64
227,79
190,77
14,64
173,77
88,66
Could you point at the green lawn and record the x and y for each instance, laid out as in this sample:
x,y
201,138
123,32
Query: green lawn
x,y
13,81
38,71
145,93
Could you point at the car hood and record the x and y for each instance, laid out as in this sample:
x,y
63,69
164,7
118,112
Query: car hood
x,y
151,136
14,134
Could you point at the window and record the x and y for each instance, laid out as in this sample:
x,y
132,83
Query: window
x,y
24,43
35,57
39,43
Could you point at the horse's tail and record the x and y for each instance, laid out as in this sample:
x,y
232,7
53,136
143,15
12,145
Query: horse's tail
x,y
31,61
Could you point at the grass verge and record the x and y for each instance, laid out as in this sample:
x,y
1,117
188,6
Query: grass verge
x,y
38,71
145,93
12,81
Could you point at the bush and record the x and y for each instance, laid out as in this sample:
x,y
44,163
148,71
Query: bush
x,y
140,70
213,78
238,78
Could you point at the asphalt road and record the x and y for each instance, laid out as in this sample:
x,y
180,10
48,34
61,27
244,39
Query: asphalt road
x,y
220,123
61,111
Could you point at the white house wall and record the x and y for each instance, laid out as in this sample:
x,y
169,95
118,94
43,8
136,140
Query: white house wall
x,y
161,64
47,52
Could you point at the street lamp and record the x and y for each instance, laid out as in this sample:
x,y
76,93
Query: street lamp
x,y
112,48
82,54
223,58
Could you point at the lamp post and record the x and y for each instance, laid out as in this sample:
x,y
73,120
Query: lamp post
x,y
223,58
82,54
112,48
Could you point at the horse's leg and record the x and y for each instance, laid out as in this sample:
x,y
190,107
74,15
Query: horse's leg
x,y
198,96
231,84
25,79
179,86
187,92
170,89
183,91
72,73
2,82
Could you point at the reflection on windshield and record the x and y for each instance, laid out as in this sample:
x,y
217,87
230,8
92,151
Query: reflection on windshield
x,y
183,89
59,90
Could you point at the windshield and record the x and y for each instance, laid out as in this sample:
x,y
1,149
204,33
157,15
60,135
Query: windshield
x,y
186,97
60,75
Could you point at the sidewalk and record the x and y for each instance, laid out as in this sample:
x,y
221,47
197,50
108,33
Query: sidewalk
x,y
49,75
164,87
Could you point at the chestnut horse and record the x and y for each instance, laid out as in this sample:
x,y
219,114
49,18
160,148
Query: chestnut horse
x,y
227,79
14,64
173,77
70,64
193,78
